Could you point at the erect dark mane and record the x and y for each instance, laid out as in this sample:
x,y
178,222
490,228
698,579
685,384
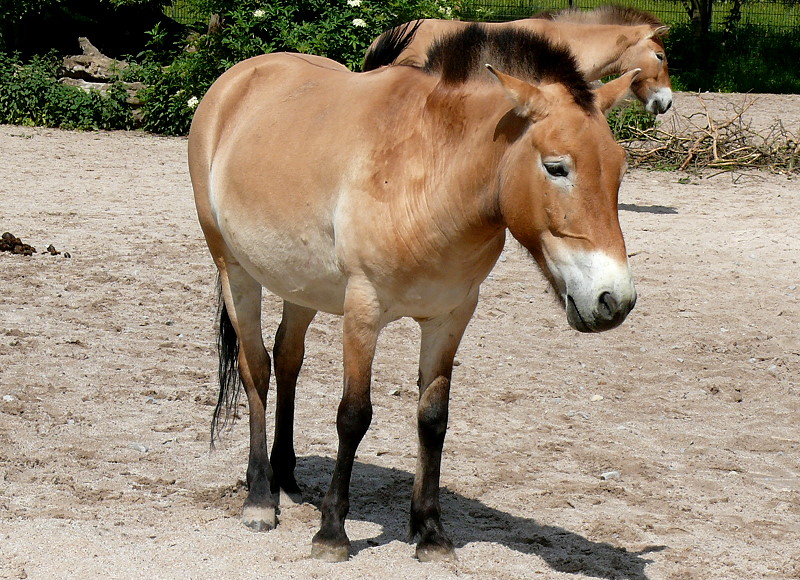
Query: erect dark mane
x,y
609,14
461,56
390,45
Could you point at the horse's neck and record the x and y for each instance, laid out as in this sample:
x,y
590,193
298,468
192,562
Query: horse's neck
x,y
598,48
462,154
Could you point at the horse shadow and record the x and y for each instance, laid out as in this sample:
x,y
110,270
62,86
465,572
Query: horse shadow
x,y
658,209
382,496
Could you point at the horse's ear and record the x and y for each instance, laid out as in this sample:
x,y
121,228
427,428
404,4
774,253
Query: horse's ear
x,y
528,100
614,91
660,31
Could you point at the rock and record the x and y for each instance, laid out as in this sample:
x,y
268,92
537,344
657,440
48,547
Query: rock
x,y
139,447
610,475
92,65
94,71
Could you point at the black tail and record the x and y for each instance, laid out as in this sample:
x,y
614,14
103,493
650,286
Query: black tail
x,y
229,382
389,45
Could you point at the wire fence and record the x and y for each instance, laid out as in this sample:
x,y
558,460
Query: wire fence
x,y
184,13
775,15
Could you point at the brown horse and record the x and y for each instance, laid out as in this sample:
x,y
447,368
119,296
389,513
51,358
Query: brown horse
x,y
387,194
608,40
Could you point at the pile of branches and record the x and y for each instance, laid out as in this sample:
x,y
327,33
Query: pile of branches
x,y
699,141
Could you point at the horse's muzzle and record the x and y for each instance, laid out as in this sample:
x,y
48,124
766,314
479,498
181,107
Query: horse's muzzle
x,y
609,312
659,101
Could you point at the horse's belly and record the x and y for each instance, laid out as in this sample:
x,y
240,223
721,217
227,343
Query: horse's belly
x,y
301,279
299,266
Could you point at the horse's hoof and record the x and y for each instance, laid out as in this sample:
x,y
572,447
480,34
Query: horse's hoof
x,y
290,498
330,553
259,519
435,553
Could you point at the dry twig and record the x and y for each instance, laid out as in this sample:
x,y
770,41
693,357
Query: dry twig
x,y
728,144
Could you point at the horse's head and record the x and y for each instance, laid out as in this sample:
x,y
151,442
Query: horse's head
x,y
558,195
652,85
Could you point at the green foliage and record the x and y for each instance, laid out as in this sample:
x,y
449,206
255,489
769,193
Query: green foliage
x,y
30,94
741,59
630,121
339,29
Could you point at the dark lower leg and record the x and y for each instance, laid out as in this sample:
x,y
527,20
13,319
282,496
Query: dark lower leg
x,y
425,509
331,542
259,507
288,354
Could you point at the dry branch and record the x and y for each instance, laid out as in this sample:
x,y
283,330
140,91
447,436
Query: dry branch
x,y
726,144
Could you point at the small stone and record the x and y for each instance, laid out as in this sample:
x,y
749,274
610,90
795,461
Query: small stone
x,y
139,447
596,398
610,475
9,398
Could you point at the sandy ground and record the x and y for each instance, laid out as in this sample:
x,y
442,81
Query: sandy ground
x,y
107,366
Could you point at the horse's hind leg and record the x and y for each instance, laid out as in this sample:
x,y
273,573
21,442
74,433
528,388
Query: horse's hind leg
x,y
440,339
242,295
288,356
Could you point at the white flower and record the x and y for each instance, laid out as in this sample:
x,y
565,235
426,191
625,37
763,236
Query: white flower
x,y
259,13
359,23
192,103
354,2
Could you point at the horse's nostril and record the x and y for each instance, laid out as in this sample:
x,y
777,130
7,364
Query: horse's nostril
x,y
608,305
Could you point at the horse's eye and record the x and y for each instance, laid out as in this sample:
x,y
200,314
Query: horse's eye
x,y
660,56
556,169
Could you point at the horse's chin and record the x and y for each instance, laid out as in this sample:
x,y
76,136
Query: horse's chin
x,y
574,317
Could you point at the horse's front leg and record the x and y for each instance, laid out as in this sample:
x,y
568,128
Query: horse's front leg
x,y
362,323
440,339
242,295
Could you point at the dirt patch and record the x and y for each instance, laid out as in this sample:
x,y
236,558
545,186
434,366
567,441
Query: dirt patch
x,y
107,367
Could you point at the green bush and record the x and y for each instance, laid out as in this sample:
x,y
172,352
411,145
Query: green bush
x,y
741,58
30,94
178,77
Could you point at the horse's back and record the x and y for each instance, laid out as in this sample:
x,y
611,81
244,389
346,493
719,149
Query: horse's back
x,y
241,91
430,30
